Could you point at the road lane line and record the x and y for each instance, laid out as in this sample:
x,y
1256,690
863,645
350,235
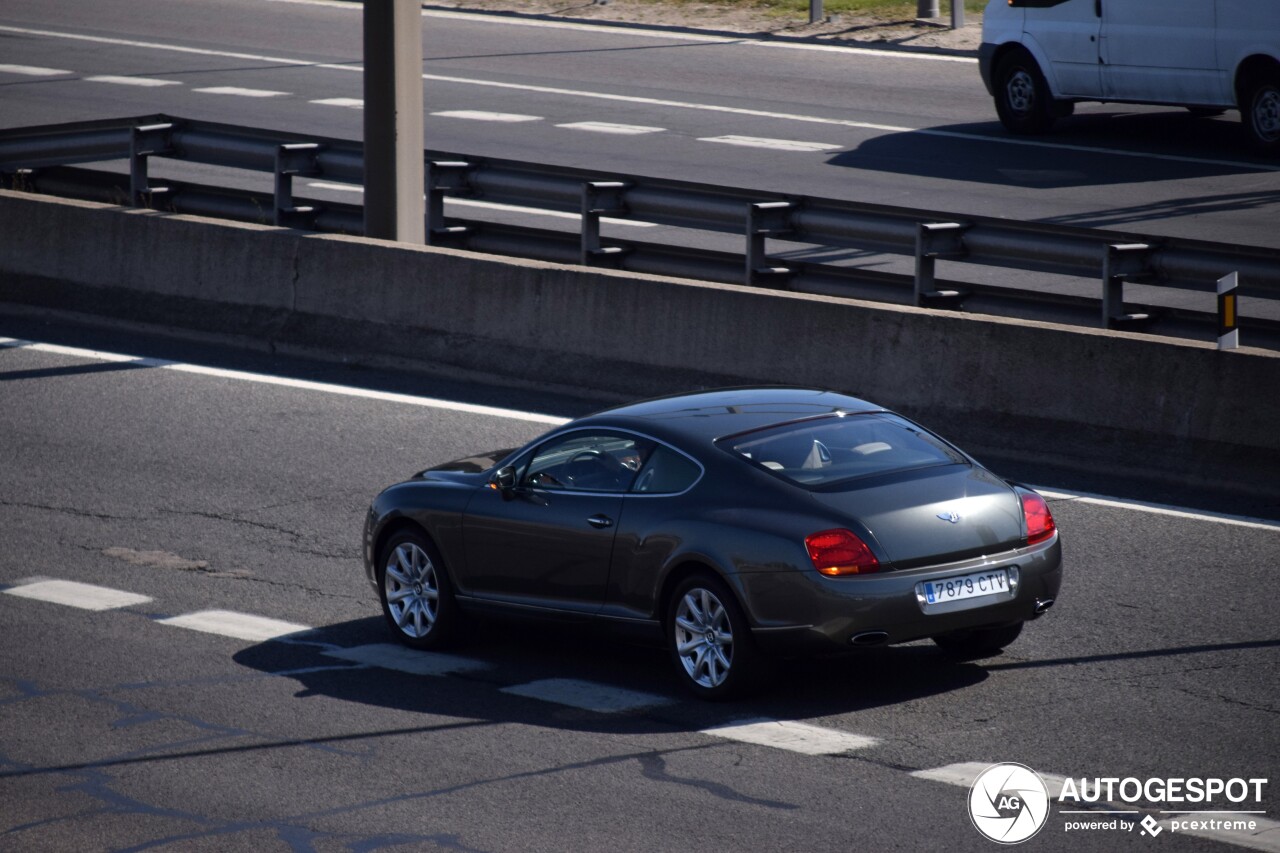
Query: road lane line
x,y
770,144
33,71
485,115
403,659
349,103
588,696
611,127
132,81
683,105
1159,509
302,384
792,736
240,92
964,774
241,626
82,595
468,408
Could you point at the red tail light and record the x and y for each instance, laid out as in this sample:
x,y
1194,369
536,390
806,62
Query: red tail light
x,y
840,552
1040,526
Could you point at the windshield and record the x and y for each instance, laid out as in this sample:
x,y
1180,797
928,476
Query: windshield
x,y
821,451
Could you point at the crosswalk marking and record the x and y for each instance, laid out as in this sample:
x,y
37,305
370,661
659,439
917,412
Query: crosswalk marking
x,y
792,736
228,623
588,695
403,659
82,595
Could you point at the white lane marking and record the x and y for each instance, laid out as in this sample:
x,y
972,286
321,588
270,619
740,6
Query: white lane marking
x,y
1161,509
350,103
610,127
240,92
242,626
711,108
402,659
771,144
588,696
32,70
514,414
963,775
132,81
493,205
792,736
1265,836
82,595
485,115
303,384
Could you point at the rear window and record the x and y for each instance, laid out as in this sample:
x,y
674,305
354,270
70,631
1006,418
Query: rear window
x,y
821,451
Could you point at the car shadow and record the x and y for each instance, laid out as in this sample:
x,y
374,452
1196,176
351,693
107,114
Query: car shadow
x,y
498,656
1100,147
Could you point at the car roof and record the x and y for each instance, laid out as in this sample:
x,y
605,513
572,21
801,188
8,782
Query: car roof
x,y
708,415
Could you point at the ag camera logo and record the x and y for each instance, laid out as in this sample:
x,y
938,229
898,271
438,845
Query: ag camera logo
x,y
1008,803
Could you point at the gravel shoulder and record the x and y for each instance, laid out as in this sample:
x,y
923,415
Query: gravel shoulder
x,y
934,35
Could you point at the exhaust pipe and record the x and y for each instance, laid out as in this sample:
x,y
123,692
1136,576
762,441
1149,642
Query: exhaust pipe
x,y
869,638
1043,605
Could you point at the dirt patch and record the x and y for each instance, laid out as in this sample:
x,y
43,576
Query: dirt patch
x,y
934,34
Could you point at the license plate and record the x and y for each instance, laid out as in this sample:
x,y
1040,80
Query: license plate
x,y
976,585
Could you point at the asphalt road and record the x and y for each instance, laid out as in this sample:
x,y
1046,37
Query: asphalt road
x,y
123,730
884,127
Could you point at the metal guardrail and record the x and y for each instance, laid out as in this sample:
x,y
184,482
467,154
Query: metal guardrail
x,y
41,159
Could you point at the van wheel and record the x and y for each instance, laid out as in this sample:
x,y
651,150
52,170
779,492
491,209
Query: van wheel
x,y
1260,114
1022,96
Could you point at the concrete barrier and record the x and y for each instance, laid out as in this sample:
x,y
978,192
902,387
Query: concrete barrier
x,y
1090,395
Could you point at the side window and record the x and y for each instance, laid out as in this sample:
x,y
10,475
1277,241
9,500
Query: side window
x,y
667,472
587,462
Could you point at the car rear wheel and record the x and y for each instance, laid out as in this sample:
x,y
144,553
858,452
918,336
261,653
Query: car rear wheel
x,y
417,598
980,642
1260,114
1022,96
711,644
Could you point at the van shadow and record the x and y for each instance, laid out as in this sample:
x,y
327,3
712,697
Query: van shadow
x,y
1095,148
498,656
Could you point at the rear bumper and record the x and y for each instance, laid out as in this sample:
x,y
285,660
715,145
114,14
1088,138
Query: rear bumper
x,y
840,609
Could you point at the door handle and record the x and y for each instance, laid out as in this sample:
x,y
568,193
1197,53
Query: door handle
x,y
600,521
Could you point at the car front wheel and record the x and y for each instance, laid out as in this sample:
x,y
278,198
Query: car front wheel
x,y
1022,96
979,642
1260,114
711,644
417,598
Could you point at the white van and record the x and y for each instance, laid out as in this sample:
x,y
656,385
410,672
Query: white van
x,y
1039,57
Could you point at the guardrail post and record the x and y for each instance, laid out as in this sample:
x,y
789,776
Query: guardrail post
x,y
1123,262
145,140
1228,315
957,14
600,198
293,158
936,240
765,219
445,177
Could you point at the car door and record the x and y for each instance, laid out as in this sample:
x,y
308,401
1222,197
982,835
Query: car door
x,y
1160,52
547,542
1066,34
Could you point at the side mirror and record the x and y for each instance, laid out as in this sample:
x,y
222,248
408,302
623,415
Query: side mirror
x,y
503,480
